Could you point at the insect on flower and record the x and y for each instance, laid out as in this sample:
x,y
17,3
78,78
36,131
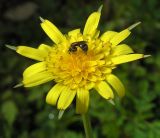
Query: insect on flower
x,y
81,44
76,74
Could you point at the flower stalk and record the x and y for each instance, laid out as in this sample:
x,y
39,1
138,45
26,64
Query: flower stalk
x,y
87,125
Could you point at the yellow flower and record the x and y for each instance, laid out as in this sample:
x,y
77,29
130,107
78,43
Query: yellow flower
x,y
76,71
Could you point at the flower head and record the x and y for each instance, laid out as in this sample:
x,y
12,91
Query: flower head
x,y
78,62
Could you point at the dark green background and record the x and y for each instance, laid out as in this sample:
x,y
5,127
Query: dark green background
x,y
24,113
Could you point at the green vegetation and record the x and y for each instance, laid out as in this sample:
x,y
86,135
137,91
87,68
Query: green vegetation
x,y
24,113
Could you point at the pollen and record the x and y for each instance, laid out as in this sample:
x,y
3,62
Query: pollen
x,y
80,69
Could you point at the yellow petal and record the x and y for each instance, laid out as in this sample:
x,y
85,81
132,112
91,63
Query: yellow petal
x,y
92,23
116,84
37,79
104,90
54,94
96,34
122,49
120,37
107,36
126,58
66,98
32,53
44,47
34,69
52,31
82,101
74,33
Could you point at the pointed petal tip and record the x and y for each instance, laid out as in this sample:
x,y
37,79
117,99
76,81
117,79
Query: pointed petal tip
x,y
111,102
100,8
60,114
41,19
18,85
133,26
11,47
145,56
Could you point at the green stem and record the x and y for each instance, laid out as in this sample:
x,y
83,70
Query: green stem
x,y
87,126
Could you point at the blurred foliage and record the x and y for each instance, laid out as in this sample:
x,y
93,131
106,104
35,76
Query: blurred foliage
x,y
24,113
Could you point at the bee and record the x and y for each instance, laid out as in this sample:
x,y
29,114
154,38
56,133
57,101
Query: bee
x,y
81,44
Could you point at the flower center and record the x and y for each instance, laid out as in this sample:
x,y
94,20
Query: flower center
x,y
78,68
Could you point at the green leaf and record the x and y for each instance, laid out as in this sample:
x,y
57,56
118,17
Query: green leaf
x,y
9,111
